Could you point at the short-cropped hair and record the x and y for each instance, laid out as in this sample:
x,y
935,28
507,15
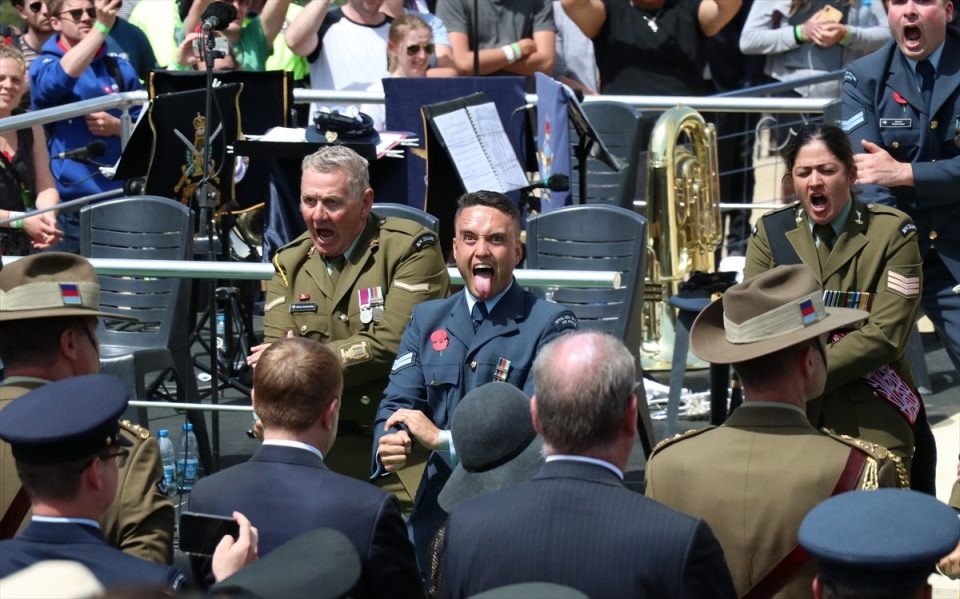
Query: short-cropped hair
x,y
490,199
330,159
294,382
36,341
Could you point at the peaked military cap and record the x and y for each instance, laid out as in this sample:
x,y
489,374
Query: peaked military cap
x,y
66,420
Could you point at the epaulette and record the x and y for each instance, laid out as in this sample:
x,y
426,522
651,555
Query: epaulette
x,y
876,452
135,429
401,225
296,243
903,222
680,437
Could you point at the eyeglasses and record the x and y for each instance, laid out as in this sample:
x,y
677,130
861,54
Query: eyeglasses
x,y
77,13
120,453
415,49
35,6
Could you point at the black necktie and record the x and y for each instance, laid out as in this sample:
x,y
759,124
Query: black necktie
x,y
478,314
925,69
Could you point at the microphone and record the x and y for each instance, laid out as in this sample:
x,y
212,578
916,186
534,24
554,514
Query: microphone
x,y
558,182
218,16
94,149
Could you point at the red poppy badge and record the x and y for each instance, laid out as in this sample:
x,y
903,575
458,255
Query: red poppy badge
x,y
899,99
439,340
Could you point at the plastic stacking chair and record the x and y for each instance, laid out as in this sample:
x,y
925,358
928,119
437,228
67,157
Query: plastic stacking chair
x,y
616,124
145,227
597,237
426,219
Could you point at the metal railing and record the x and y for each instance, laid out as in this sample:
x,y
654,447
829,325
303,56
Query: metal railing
x,y
124,101
249,271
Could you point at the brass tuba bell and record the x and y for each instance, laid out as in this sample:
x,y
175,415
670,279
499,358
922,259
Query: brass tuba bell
x,y
683,219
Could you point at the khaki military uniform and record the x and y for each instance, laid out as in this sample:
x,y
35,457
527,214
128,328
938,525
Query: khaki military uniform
x,y
395,256
876,253
754,478
140,520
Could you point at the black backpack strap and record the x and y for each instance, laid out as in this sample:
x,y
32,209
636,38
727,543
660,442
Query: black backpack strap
x,y
777,225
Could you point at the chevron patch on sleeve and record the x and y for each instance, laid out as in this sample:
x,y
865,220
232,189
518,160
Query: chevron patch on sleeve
x,y
902,284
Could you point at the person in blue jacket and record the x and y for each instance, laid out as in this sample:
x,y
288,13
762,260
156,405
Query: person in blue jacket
x,y
901,109
77,63
489,331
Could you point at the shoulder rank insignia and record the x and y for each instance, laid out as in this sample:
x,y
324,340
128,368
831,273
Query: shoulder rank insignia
x,y
849,77
135,429
907,228
680,437
425,240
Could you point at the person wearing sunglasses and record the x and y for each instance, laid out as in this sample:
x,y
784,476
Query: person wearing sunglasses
x,y
38,28
410,48
79,62
68,456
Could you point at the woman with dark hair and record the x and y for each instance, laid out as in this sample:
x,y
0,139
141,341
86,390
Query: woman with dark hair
x,y
864,256
25,180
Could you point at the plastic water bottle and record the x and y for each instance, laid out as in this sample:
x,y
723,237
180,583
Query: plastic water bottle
x,y
168,457
188,461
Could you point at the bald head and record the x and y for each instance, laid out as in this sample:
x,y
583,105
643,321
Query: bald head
x,y
582,383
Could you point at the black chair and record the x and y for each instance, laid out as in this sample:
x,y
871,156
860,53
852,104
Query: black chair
x,y
145,227
615,124
426,219
592,238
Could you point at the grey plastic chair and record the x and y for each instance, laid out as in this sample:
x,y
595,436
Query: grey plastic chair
x,y
426,219
145,227
616,124
597,237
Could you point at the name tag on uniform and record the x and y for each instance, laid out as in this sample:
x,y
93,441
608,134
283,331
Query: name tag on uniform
x,y
301,307
896,123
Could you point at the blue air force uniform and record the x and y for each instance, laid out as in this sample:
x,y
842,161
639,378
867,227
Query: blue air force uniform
x,y
882,103
45,431
441,359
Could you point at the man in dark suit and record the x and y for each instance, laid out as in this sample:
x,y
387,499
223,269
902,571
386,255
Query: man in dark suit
x,y
490,331
67,457
900,107
286,489
575,523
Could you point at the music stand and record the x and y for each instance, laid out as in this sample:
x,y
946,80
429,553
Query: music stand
x,y
588,144
467,150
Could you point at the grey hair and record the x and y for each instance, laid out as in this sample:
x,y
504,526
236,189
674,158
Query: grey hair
x,y
333,158
582,408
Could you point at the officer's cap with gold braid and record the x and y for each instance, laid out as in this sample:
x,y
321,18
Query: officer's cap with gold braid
x,y
50,284
43,428
772,311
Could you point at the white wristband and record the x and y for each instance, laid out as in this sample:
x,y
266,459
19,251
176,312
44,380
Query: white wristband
x,y
509,53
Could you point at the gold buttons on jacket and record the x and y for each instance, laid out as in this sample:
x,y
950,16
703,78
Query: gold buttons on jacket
x,y
473,365
303,328
933,235
895,144
933,124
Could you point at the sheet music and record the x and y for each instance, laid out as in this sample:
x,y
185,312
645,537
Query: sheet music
x,y
480,150
486,122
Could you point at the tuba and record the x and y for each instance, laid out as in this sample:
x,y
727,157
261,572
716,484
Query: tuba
x,y
683,220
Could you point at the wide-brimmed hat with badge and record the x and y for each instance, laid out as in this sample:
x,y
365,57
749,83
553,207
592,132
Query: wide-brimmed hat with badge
x,y
772,311
48,285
